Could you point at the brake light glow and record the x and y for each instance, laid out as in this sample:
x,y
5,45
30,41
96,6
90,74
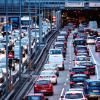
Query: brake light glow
x,y
53,76
92,67
63,63
72,73
86,72
71,82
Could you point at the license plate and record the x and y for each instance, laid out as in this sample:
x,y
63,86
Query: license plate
x,y
95,90
43,90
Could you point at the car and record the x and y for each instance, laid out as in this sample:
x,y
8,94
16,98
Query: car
x,y
79,41
90,66
78,80
97,39
51,67
61,38
49,75
97,46
2,48
60,45
73,95
43,86
35,96
79,70
92,88
79,59
81,48
90,40
55,56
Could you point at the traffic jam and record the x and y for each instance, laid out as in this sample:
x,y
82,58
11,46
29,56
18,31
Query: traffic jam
x,y
12,38
82,81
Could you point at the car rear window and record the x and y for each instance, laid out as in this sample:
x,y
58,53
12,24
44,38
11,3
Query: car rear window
x,y
96,84
79,69
80,42
43,82
34,98
55,52
73,96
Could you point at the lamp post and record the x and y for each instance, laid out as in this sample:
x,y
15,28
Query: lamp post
x,y
20,48
7,80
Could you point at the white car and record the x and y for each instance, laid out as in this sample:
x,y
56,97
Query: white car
x,y
73,95
49,75
51,67
56,57
90,40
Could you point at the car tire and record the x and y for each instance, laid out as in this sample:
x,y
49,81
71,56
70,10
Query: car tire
x,y
24,55
51,93
95,49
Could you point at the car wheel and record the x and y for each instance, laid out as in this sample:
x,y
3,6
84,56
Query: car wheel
x,y
95,49
24,55
51,93
55,83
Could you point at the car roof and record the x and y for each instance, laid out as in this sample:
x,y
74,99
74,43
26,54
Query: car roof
x,y
79,75
72,91
79,67
35,94
93,80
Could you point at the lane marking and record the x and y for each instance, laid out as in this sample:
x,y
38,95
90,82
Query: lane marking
x,y
94,62
61,94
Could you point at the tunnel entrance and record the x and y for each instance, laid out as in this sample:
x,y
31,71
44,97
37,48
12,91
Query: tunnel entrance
x,y
79,16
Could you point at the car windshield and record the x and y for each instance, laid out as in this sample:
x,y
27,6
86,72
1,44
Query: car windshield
x,y
73,96
81,48
43,82
55,51
34,98
98,39
79,42
59,45
91,37
82,59
79,78
79,69
96,84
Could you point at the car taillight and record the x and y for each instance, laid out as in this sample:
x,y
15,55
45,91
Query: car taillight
x,y
72,73
86,72
53,76
63,63
92,67
50,85
71,82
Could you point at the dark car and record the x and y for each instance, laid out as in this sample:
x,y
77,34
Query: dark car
x,y
79,41
79,70
35,96
92,88
97,46
90,66
81,48
78,80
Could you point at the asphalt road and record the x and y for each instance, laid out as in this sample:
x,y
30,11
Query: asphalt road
x,y
63,79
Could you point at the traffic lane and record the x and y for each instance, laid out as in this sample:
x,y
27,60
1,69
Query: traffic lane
x,y
69,63
96,59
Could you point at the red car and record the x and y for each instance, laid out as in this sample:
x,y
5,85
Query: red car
x,y
35,96
43,86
